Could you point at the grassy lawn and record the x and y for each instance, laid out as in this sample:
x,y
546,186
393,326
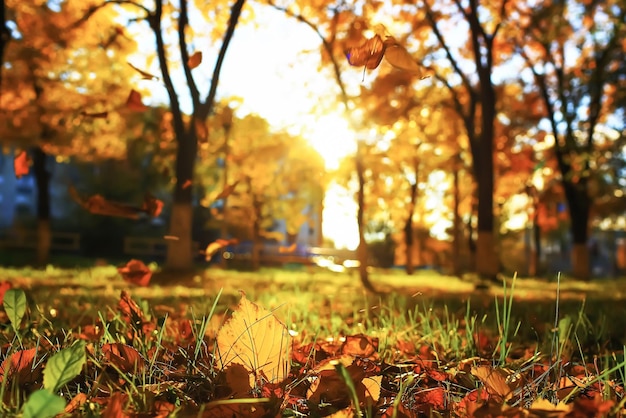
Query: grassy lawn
x,y
428,345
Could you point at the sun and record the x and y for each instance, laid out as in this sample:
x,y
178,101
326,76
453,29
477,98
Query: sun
x,y
332,138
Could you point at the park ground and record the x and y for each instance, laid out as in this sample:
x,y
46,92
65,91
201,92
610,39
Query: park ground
x,y
428,317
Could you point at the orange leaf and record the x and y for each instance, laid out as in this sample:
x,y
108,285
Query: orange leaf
x,y
130,311
21,164
494,381
134,102
368,54
399,57
288,250
152,205
195,60
20,367
217,245
255,339
124,357
115,406
77,401
136,272
186,184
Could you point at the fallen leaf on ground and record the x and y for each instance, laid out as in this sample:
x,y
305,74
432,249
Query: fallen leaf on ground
x,y
256,339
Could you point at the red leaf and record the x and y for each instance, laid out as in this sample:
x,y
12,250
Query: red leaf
x,y
195,60
4,286
136,272
20,367
21,164
152,205
124,357
368,54
134,102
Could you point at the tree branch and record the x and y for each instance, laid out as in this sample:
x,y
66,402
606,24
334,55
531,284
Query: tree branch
x,y
183,21
207,107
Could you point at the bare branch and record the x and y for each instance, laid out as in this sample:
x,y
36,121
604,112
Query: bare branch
x,y
183,21
207,107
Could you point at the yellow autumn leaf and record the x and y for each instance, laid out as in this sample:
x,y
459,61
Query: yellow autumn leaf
x,y
254,338
494,381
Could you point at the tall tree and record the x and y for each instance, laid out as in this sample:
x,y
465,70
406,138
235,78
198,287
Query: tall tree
x,y
51,98
161,18
574,52
472,89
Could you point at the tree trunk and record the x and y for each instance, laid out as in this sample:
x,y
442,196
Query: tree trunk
x,y
409,239
42,178
362,248
256,236
579,209
456,223
180,252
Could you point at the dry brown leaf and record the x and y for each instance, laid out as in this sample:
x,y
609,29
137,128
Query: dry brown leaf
x,y
494,381
399,57
256,339
144,74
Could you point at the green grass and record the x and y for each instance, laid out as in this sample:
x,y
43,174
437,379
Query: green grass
x,y
520,326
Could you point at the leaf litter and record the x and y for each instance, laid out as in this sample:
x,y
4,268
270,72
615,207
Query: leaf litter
x,y
133,362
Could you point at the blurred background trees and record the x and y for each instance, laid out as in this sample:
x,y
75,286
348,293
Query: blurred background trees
x,y
507,139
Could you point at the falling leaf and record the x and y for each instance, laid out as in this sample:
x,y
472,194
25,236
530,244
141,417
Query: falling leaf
x,y
254,338
288,250
144,74
194,60
186,184
369,54
98,205
228,190
134,102
399,57
21,164
136,272
152,206
217,245
97,115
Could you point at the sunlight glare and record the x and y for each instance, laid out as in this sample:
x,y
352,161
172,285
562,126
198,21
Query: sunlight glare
x,y
339,218
332,137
